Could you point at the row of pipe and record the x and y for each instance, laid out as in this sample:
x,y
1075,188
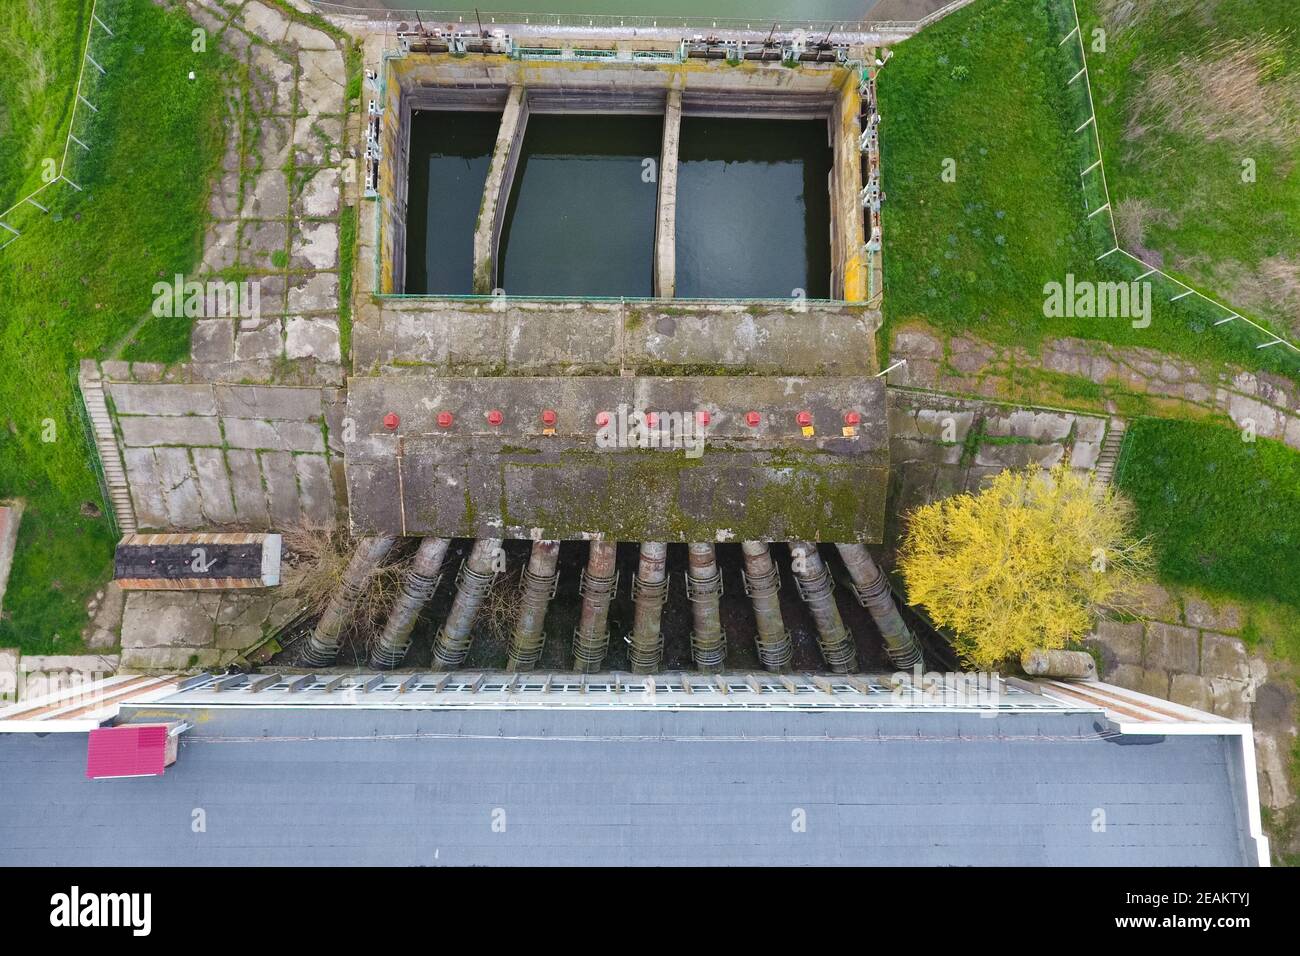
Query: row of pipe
x,y
598,585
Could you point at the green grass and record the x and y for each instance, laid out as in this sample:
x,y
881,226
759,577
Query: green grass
x,y
1186,169
347,258
988,87
78,280
1224,513
40,54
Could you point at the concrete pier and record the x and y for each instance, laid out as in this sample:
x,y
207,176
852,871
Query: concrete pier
x,y
763,585
872,590
817,589
591,636
703,589
477,574
540,578
418,585
666,222
496,191
323,644
649,592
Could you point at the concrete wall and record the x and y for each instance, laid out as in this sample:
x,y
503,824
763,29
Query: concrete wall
x,y
666,211
218,457
699,88
496,190
537,338
848,257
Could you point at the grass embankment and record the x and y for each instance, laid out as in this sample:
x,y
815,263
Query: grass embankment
x,y
1224,513
40,54
82,276
988,87
1187,92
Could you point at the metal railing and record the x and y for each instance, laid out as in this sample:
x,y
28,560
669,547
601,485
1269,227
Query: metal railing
x,y
489,18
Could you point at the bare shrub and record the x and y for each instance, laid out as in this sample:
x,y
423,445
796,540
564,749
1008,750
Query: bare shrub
x,y
315,561
496,619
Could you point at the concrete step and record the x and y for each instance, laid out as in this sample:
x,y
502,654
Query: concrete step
x,y
110,457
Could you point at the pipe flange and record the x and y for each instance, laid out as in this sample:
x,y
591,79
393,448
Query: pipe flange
x,y
649,591
703,589
589,585
711,653
815,585
763,585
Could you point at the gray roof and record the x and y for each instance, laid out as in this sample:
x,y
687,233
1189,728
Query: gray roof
x,y
354,785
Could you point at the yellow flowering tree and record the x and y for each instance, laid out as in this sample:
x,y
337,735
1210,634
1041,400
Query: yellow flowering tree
x,y
1022,564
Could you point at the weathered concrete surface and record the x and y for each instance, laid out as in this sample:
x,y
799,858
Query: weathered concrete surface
x,y
276,204
666,221
188,630
228,456
9,674
496,190
36,675
11,512
473,479
541,338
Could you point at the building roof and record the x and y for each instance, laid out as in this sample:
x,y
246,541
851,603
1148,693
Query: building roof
x,y
648,785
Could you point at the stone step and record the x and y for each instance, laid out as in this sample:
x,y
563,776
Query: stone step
x,y
1108,457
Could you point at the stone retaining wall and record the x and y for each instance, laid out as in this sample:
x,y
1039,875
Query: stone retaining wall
x,y
1123,380
944,445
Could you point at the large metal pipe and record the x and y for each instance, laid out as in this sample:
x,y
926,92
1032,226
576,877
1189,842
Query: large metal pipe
x,y
540,579
418,583
763,585
477,574
818,590
599,580
649,592
323,643
703,589
872,590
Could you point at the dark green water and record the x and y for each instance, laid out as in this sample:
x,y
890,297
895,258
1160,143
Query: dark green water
x,y
450,154
753,208
581,216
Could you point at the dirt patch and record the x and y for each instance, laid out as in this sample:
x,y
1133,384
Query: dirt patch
x,y
1122,14
1233,91
1270,290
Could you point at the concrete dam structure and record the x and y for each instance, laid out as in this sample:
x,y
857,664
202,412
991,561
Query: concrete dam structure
x,y
646,418
612,370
